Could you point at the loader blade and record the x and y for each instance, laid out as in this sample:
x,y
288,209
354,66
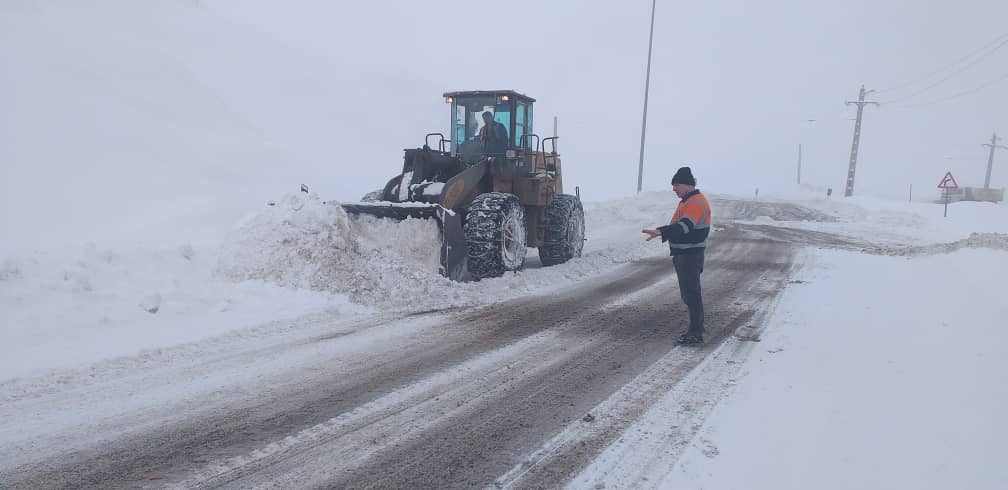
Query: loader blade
x,y
454,251
453,244
396,211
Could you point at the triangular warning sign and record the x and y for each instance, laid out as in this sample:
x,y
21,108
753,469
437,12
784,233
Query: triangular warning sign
x,y
948,182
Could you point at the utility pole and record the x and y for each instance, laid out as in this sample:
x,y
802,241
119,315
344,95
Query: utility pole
x,y
799,163
857,139
990,159
647,86
800,139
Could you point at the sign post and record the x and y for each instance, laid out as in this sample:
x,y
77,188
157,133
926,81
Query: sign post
x,y
947,184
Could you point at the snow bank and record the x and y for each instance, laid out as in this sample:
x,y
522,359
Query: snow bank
x,y
887,222
303,242
995,241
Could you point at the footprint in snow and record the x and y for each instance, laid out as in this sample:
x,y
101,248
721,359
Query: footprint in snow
x,y
709,449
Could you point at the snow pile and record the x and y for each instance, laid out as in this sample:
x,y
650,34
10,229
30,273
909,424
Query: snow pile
x,y
997,241
302,242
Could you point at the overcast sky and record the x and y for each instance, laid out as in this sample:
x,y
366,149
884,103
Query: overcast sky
x,y
732,81
152,102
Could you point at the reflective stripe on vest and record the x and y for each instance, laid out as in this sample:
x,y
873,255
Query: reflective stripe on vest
x,y
694,209
682,246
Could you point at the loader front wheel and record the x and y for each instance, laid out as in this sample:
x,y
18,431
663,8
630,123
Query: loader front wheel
x,y
495,235
565,230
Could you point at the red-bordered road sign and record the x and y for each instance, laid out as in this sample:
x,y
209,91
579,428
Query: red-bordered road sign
x,y
948,182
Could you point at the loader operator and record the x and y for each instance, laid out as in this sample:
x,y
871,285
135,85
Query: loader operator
x,y
687,239
493,135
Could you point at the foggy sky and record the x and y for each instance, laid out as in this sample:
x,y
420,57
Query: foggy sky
x,y
114,108
732,82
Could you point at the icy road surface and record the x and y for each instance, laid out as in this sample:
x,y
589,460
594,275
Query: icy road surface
x,y
520,393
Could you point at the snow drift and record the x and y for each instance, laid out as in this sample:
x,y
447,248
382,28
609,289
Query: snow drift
x,y
303,242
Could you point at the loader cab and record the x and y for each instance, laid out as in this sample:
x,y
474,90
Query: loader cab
x,y
509,108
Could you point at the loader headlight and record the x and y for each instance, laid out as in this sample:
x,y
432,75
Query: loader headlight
x,y
511,153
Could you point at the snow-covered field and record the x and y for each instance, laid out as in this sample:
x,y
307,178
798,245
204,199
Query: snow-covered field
x,y
875,372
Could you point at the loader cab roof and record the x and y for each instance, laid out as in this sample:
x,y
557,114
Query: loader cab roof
x,y
489,93
509,108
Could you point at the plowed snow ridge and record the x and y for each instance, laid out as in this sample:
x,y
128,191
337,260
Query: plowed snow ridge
x,y
996,241
302,242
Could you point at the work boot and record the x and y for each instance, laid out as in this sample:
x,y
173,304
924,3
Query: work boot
x,y
689,339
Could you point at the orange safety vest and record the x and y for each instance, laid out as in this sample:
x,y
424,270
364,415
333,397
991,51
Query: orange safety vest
x,y
693,216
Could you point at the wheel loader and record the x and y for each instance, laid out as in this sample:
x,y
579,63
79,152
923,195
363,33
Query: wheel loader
x,y
492,199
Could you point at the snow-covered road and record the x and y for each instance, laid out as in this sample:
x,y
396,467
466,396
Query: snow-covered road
x,y
556,376
458,398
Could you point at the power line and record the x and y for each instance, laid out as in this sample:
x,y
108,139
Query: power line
x,y
953,64
954,73
954,96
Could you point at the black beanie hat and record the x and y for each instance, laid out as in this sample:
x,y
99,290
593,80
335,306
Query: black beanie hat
x,y
684,176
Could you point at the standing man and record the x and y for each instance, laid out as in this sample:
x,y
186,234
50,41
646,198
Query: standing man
x,y
493,135
687,239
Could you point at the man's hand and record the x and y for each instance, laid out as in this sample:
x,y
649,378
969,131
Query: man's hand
x,y
652,234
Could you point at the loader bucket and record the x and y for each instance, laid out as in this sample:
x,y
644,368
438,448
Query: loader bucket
x,y
453,243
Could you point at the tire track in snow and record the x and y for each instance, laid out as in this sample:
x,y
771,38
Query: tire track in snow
x,y
579,346
228,429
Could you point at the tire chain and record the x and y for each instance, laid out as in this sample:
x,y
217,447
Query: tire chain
x,y
556,248
483,228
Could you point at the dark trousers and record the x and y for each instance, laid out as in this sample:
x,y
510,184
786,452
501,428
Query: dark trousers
x,y
688,268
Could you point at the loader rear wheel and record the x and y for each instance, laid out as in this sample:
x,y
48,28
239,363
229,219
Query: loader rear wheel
x,y
495,235
373,196
565,230
391,190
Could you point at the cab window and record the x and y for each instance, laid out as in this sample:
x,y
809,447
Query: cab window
x,y
502,114
520,123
